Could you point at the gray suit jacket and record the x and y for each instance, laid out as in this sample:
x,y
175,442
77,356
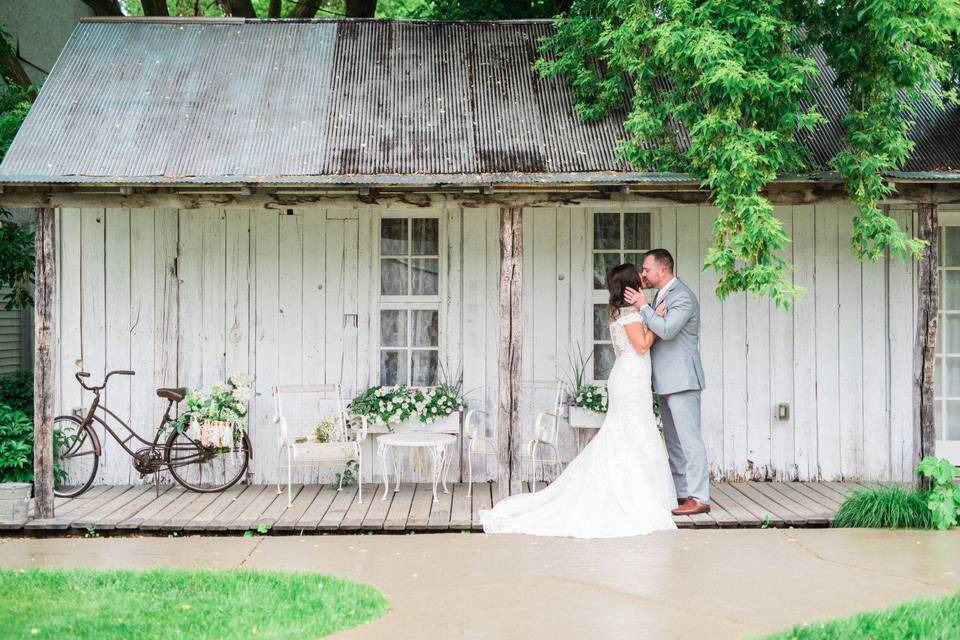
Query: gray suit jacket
x,y
675,354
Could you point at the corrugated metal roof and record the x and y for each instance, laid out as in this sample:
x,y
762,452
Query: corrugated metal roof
x,y
340,102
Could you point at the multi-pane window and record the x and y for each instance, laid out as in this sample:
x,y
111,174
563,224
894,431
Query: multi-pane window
x,y
618,237
409,256
409,300
947,375
409,346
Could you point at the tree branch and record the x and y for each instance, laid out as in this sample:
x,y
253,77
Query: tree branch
x,y
359,8
238,8
11,70
306,9
104,7
155,7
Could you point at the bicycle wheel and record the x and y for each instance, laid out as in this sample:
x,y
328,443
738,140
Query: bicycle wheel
x,y
206,469
76,456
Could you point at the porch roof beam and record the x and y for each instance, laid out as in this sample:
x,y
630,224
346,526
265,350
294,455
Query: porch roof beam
x,y
277,197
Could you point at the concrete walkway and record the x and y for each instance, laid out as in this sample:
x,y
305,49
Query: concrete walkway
x,y
685,584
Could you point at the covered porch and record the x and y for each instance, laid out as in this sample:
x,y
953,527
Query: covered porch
x,y
146,510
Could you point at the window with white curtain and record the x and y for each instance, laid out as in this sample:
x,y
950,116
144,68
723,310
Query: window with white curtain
x,y
410,289
947,375
618,237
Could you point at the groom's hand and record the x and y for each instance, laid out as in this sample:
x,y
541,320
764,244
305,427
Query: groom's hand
x,y
634,298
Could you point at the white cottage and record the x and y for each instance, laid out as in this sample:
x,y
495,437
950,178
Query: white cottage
x,y
373,202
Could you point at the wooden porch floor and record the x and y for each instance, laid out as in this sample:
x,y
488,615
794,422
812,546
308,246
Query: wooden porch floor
x,y
320,508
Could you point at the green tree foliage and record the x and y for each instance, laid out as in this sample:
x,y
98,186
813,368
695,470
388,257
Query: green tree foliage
x,y
470,9
411,9
721,88
16,243
888,56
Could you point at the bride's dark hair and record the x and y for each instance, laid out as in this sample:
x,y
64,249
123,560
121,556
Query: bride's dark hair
x,y
618,279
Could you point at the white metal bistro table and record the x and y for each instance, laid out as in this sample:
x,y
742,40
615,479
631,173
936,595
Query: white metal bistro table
x,y
436,443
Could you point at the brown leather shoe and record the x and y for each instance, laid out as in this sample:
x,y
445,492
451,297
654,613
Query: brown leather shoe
x,y
691,507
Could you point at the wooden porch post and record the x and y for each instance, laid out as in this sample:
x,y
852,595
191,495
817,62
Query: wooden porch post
x,y
44,336
925,345
510,331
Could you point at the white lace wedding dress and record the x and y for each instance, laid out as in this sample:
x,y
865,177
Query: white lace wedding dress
x,y
620,484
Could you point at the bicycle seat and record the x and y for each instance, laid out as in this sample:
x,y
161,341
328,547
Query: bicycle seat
x,y
175,395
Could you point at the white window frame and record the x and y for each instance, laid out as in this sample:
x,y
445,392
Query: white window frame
x,y
602,296
411,302
947,448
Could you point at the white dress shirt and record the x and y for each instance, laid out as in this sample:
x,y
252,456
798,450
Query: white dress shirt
x,y
660,294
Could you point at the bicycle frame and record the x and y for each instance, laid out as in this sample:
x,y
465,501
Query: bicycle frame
x,y
92,417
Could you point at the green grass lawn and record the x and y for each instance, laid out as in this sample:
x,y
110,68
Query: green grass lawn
x,y
920,620
75,603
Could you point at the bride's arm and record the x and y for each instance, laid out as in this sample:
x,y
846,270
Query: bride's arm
x,y
640,337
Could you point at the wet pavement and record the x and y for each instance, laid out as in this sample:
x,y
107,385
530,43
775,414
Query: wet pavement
x,y
678,584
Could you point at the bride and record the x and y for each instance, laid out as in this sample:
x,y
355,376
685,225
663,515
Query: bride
x,y
620,485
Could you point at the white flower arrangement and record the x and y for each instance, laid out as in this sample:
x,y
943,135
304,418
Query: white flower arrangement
x,y
592,397
393,405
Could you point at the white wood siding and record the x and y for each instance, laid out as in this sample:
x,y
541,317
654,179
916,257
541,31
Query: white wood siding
x,y
12,338
185,297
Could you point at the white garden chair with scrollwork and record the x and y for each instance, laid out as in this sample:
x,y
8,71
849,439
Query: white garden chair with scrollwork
x,y
478,442
345,445
543,449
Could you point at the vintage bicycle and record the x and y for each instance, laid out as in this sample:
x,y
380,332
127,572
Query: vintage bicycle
x,y
197,466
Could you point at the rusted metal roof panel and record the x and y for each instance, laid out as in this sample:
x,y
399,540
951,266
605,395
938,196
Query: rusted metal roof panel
x,y
167,101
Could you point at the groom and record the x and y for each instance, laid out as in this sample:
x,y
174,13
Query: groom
x,y
677,376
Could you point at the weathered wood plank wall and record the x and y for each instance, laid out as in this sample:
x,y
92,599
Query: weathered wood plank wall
x,y
185,297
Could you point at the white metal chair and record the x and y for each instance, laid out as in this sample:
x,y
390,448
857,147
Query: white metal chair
x,y
341,449
543,448
478,442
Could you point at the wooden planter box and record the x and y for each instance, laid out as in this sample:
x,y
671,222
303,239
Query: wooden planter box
x,y
212,433
216,433
446,424
581,418
312,451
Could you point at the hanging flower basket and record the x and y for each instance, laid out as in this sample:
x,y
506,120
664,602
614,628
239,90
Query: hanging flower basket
x,y
216,419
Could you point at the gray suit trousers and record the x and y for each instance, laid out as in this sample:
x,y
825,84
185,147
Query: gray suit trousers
x,y
680,413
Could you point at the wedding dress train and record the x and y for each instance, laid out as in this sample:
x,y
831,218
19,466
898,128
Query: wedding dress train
x,y
620,484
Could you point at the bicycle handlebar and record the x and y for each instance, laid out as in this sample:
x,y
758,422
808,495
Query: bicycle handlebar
x,y
83,374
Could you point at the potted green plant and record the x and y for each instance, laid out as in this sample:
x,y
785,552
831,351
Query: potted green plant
x,y
589,408
326,442
588,402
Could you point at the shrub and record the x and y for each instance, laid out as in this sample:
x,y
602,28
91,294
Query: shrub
x,y
16,391
888,507
943,500
16,446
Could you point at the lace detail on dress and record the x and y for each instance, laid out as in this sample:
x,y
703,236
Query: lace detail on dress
x,y
618,334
